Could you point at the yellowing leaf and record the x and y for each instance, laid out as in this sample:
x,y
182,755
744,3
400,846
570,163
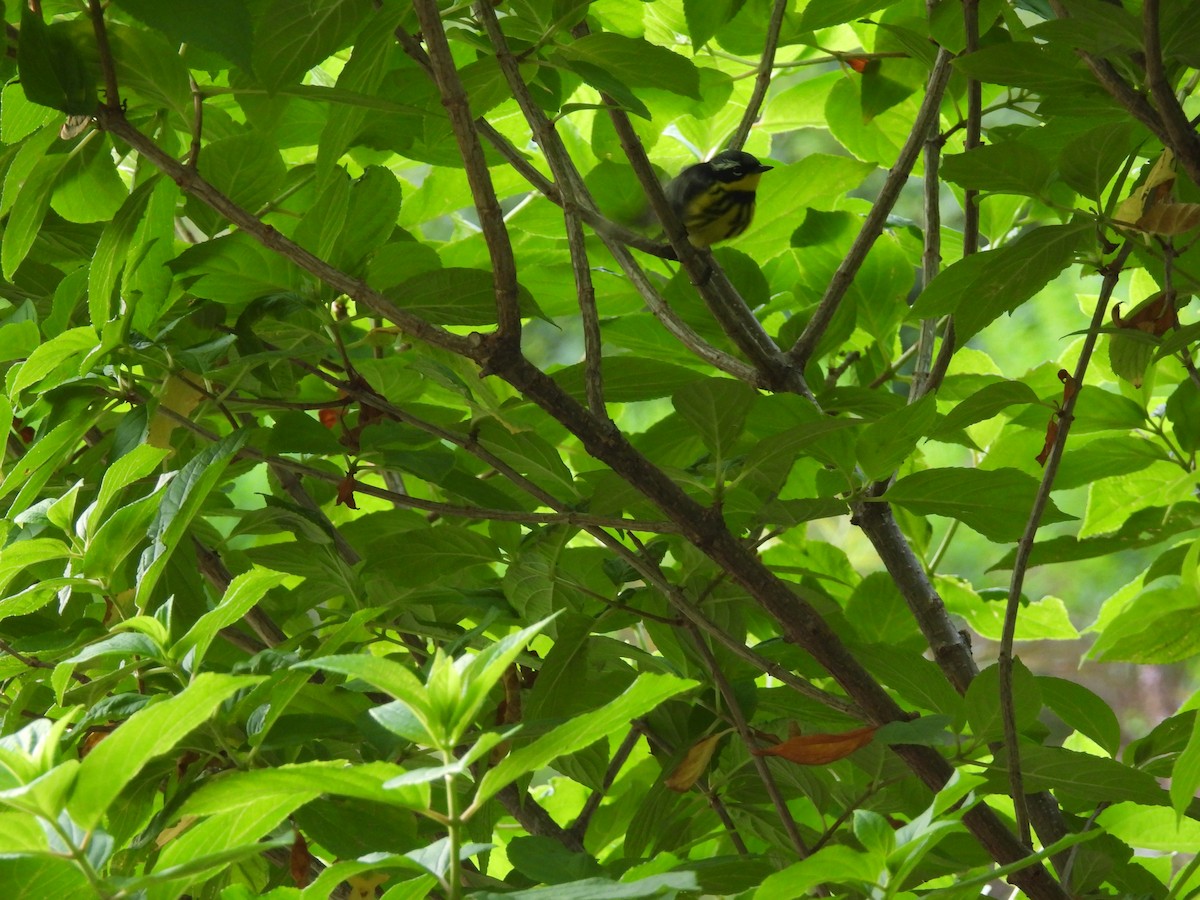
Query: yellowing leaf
x,y
694,762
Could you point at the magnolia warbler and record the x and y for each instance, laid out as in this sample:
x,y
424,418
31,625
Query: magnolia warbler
x,y
715,199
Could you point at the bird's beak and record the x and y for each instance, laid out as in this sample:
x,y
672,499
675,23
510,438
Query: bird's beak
x,y
763,168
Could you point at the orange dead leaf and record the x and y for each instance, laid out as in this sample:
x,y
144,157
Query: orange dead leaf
x,y
93,738
1051,436
345,491
857,63
820,749
694,762
300,861
1070,385
329,416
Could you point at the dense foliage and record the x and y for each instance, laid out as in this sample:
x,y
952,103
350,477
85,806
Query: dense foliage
x,y
392,506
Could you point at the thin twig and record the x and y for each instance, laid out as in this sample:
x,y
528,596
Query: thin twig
x,y
407,501
872,226
762,79
213,569
580,825
743,729
1112,274
197,123
974,127
569,181
491,217
714,801
108,69
114,121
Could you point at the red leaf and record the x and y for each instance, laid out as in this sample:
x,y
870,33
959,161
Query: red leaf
x,y
857,63
820,749
1051,436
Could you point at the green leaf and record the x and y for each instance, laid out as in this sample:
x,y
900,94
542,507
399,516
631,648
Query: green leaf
x,y
50,356
1087,163
243,593
41,461
995,502
837,864
1081,776
916,679
1152,629
28,210
247,168
363,74
222,26
980,287
1183,412
18,340
704,17
639,698
1104,458
884,444
52,70
1036,67
111,252
717,409
35,876
1083,710
984,404
148,733
423,556
456,297
823,13
666,884
983,701
635,62
1005,168
232,791
181,504
295,35
628,379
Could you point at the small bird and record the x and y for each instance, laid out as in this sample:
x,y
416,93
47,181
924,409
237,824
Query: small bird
x,y
715,199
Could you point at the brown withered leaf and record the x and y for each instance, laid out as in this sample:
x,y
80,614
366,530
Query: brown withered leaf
x,y
1155,315
1070,385
1169,219
1051,436
693,764
1153,191
820,749
345,491
300,861
1129,354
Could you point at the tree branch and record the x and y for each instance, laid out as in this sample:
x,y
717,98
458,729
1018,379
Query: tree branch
x,y
1181,134
872,226
762,79
1112,275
